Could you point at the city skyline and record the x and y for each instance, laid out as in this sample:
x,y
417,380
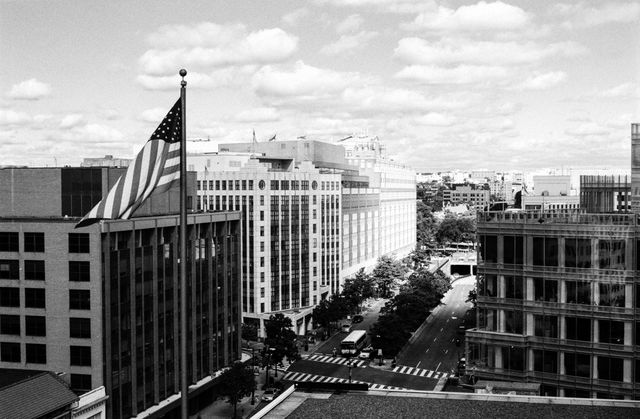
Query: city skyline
x,y
515,85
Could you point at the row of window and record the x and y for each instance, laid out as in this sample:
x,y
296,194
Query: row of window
x,y
34,270
36,353
79,327
35,298
34,242
224,185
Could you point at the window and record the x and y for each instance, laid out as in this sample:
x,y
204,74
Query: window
x,y
545,251
244,185
578,328
545,361
78,243
36,353
513,321
9,269
34,242
224,185
35,326
9,242
275,185
9,297
513,358
9,352
513,252
261,215
80,382
79,300
489,249
34,270
261,231
577,253
34,298
612,295
210,185
611,331
611,254
79,271
577,364
80,356
79,328
578,292
261,276
262,261
610,368
9,324
546,326
545,289
262,246
261,292
513,287
251,185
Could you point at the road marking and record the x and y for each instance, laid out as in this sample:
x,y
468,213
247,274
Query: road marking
x,y
423,373
445,352
447,320
430,374
438,366
403,370
441,328
418,364
427,350
436,338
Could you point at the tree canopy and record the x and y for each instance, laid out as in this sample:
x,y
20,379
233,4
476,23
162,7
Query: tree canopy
x,y
389,334
357,289
281,338
237,382
386,273
456,229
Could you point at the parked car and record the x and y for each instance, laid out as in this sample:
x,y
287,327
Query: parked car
x,y
270,394
366,353
357,318
346,327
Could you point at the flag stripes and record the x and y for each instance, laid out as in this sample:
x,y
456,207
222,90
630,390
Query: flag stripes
x,y
155,169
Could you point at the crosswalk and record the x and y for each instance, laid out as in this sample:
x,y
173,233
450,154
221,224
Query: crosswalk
x,y
302,377
336,360
419,372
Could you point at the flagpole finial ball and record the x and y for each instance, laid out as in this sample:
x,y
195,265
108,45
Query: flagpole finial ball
x,y
183,72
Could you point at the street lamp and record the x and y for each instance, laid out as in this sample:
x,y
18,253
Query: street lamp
x,y
350,365
253,370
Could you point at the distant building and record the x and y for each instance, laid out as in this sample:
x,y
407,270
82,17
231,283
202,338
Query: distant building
x,y
100,303
106,161
551,193
474,196
605,193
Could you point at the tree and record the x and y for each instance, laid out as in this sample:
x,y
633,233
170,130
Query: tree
x,y
473,297
385,274
237,382
426,226
357,289
456,229
389,334
330,310
410,307
281,338
249,332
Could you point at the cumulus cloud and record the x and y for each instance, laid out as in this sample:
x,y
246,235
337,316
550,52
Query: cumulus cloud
x,y
460,50
588,129
624,90
348,43
31,89
95,133
294,17
153,115
386,99
299,80
542,81
208,45
482,16
10,117
435,119
224,77
462,74
351,24
580,14
386,6
258,115
72,120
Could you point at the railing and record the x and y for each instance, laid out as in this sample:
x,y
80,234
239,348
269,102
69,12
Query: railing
x,y
556,217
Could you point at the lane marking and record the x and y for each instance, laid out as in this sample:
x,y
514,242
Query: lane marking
x,y
438,366
441,329
427,350
423,373
436,338
418,364
430,374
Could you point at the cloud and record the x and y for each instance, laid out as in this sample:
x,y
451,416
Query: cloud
x,y
387,99
72,120
462,74
351,24
460,50
153,115
293,18
31,89
624,90
224,77
482,16
383,6
207,46
9,117
299,80
542,81
435,119
94,133
583,15
348,43
258,115
588,129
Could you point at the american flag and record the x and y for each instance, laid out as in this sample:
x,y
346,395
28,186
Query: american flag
x,y
155,169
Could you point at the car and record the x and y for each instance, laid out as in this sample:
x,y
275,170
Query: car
x,y
357,318
366,353
346,327
270,394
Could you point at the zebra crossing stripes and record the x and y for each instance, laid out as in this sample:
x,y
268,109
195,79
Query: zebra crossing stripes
x,y
302,377
335,360
420,372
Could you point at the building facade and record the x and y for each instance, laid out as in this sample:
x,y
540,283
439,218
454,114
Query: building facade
x,y
101,303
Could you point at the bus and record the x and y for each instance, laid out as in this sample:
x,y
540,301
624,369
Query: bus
x,y
352,344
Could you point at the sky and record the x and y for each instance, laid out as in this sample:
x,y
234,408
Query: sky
x,y
502,85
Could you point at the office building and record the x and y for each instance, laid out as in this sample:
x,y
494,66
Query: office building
x,y
605,193
101,303
558,295
475,196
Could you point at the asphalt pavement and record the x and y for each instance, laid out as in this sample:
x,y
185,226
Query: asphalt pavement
x,y
434,347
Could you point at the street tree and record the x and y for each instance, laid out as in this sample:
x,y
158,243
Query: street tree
x,y
456,229
357,289
410,307
426,226
281,338
330,310
389,333
385,275
249,332
237,382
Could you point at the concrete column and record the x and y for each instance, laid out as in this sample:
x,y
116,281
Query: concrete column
x,y
502,289
498,358
528,247
563,327
529,294
595,293
561,367
628,295
500,244
501,321
561,251
628,333
594,369
530,363
596,331
594,253
563,292
529,324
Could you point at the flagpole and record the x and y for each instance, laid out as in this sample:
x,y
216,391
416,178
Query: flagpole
x,y
184,384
